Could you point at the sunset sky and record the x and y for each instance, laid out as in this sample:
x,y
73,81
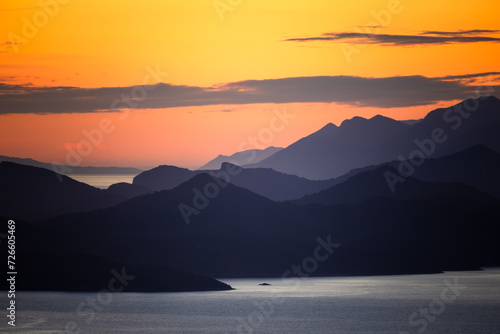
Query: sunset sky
x,y
180,81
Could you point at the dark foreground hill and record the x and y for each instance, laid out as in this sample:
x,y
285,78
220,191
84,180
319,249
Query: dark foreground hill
x,y
79,272
34,193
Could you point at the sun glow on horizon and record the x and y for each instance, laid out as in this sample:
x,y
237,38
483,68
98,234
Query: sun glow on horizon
x,y
95,44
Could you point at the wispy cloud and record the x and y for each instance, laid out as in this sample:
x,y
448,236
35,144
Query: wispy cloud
x,y
389,92
460,32
5,47
422,38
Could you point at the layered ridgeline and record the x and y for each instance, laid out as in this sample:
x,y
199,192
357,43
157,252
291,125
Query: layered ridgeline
x,y
358,142
263,181
411,216
233,232
471,174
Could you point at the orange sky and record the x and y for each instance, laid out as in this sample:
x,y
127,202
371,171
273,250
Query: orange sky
x,y
93,44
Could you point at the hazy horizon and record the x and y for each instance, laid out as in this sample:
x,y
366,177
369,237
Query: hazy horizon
x,y
179,83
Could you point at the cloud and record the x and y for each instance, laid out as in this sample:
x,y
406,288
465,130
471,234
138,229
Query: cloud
x,y
460,32
389,92
490,76
7,46
423,38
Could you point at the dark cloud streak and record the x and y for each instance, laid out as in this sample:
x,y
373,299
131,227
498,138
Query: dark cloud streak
x,y
424,38
404,91
461,32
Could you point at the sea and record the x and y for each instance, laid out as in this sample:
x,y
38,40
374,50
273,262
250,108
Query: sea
x,y
102,181
453,303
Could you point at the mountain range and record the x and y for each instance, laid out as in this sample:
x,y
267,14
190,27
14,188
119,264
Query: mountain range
x,y
241,234
263,181
382,209
476,178
333,151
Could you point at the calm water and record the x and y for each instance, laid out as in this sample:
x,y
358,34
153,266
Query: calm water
x,y
384,304
103,181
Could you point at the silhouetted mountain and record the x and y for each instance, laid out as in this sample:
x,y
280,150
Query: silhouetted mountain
x,y
79,272
262,181
232,232
34,193
165,205
241,158
128,190
411,121
477,166
334,151
375,183
272,184
164,177
224,224
61,169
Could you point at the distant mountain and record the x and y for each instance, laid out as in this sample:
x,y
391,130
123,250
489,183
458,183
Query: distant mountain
x,y
164,177
374,184
233,232
72,169
358,142
128,190
411,121
241,158
263,181
272,184
478,169
333,151
34,193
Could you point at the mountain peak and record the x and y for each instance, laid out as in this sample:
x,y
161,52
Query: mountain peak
x,y
352,121
328,129
329,126
485,103
380,118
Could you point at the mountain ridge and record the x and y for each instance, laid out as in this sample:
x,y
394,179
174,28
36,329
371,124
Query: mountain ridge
x,y
332,152
240,158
